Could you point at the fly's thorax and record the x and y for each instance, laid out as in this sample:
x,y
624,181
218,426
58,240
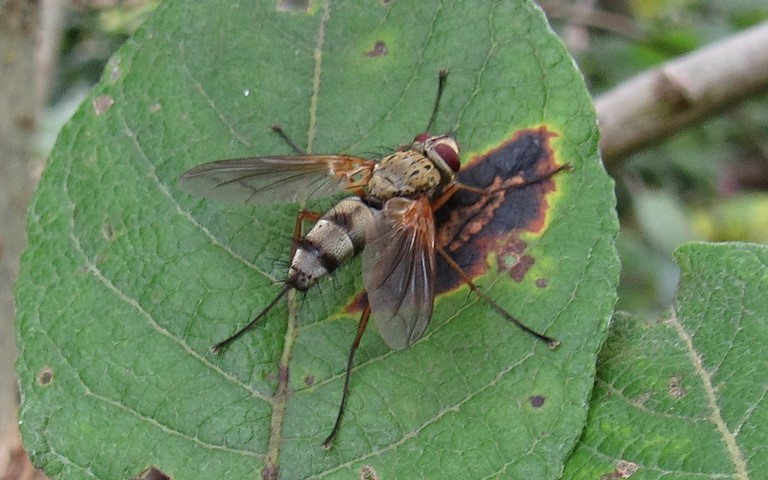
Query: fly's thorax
x,y
335,238
403,174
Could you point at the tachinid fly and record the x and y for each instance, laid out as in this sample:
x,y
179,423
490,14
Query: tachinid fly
x,y
388,217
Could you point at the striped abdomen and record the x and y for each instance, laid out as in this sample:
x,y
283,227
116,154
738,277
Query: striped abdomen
x,y
336,237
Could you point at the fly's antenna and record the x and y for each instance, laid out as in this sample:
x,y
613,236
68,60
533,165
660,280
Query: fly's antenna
x,y
441,79
218,347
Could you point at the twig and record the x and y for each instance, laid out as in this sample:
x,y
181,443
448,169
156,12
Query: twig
x,y
660,102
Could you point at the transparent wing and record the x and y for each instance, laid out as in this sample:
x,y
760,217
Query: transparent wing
x,y
399,269
265,180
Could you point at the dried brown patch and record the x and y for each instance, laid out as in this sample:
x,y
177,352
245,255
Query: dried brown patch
x,y
153,473
379,50
45,376
471,226
102,103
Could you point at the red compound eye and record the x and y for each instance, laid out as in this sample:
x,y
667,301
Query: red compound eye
x,y
449,155
422,137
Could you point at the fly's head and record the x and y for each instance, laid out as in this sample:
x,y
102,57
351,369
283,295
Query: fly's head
x,y
442,151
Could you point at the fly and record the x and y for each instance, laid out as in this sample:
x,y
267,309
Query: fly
x,y
389,217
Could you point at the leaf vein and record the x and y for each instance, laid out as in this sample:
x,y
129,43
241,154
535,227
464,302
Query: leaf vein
x,y
729,438
91,266
439,415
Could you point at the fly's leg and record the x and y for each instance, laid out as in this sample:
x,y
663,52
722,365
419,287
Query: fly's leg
x,y
328,442
303,216
539,177
456,186
440,201
528,181
551,342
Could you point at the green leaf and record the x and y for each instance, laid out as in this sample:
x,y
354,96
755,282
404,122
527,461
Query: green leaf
x,y
685,398
127,280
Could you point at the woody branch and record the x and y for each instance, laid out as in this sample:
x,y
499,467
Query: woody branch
x,y
660,102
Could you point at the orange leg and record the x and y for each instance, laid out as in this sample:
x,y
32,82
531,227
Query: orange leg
x,y
536,178
456,186
301,217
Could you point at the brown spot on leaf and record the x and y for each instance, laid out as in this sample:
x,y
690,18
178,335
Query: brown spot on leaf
x,y
641,399
675,387
107,231
537,401
471,226
45,376
520,268
309,380
102,103
626,468
542,282
152,473
622,469
368,473
379,49
155,107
